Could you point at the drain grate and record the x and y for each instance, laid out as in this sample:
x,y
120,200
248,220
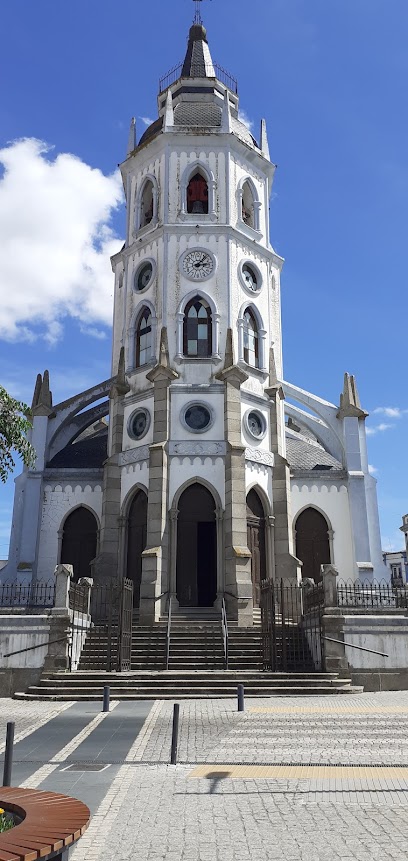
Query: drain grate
x,y
86,766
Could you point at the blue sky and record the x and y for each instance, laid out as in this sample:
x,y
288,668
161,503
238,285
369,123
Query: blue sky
x,y
330,76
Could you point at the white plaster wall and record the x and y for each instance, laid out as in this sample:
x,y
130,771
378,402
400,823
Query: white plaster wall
x,y
259,475
331,499
215,400
129,409
23,632
387,634
134,475
248,439
185,469
58,501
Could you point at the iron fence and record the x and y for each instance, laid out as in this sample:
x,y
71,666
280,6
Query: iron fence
x,y
198,72
374,595
102,639
291,630
36,595
78,597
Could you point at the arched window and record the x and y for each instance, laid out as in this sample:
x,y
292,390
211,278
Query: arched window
x,y
197,195
146,204
144,345
248,208
251,339
197,329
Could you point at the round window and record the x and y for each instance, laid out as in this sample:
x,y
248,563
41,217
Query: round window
x,y
197,417
255,424
250,276
139,423
144,275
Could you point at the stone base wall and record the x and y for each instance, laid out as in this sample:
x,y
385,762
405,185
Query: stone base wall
x,y
14,679
38,640
381,680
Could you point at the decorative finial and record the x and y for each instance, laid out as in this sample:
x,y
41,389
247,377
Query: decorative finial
x,y
197,17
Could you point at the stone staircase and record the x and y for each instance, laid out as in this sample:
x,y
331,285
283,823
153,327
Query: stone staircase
x,y
196,666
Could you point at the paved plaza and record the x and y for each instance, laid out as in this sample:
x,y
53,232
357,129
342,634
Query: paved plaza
x,y
307,778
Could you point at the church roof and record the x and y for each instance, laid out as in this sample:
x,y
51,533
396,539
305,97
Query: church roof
x,y
198,62
88,453
305,455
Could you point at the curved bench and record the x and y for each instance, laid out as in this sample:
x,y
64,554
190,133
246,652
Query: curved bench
x,y
51,823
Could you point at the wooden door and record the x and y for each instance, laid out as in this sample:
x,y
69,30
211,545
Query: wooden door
x,y
79,541
256,543
136,543
196,573
312,542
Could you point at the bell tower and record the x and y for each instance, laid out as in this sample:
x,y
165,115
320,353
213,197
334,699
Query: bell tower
x,y
196,313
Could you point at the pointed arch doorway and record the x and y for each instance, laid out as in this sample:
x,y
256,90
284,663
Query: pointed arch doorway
x,y
136,542
79,541
256,543
312,542
196,567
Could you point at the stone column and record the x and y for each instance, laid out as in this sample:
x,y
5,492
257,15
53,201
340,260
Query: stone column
x,y
155,561
238,582
57,657
334,652
105,566
287,566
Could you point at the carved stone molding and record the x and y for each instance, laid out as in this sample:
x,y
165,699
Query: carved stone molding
x,y
256,455
204,448
134,455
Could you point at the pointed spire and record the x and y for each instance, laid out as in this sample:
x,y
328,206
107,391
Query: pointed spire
x,y
46,394
37,390
42,400
198,62
164,360
229,350
132,137
264,140
169,113
226,114
273,376
350,405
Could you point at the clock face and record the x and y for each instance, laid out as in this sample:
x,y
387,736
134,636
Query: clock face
x,y
250,277
198,265
144,276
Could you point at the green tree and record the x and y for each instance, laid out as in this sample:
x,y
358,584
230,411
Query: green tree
x,y
14,424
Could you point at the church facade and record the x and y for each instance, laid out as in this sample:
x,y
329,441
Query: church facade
x,y
196,470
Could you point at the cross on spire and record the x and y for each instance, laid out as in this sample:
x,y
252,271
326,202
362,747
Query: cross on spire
x,y
197,17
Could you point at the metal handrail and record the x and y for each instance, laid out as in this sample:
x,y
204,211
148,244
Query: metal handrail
x,y
168,635
224,628
353,646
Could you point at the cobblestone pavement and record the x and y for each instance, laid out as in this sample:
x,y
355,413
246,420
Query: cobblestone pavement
x,y
27,716
155,811
272,783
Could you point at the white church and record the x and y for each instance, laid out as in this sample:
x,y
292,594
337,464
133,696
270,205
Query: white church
x,y
197,470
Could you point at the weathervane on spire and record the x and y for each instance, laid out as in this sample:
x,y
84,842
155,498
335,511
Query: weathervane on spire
x,y
197,17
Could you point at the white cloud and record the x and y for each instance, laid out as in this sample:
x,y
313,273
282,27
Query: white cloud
x,y
243,116
56,240
146,120
370,431
390,412
372,469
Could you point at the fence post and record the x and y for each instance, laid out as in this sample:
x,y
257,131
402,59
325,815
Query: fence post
x,y
8,754
87,583
329,577
333,654
174,735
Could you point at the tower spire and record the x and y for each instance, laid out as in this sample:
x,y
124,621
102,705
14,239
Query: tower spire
x,y
197,15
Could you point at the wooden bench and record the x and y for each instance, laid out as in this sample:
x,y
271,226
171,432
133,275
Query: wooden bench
x,y
51,823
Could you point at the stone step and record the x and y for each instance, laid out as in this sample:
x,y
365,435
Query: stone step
x,y
181,693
